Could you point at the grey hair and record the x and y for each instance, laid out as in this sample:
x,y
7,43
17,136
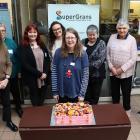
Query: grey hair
x,y
122,22
2,25
92,28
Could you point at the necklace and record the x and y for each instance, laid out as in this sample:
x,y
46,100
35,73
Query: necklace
x,y
70,66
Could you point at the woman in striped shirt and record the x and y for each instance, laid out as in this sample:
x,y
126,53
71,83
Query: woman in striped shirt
x,y
70,69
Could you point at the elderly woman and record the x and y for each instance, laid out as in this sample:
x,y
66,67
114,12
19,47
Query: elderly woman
x,y
121,57
96,50
70,69
5,73
14,81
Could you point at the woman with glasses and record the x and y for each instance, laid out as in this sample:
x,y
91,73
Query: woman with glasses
x,y
121,57
96,50
56,31
14,79
70,69
5,73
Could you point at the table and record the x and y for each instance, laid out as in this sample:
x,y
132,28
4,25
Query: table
x,y
112,123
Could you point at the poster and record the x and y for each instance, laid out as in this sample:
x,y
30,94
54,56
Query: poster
x,y
77,16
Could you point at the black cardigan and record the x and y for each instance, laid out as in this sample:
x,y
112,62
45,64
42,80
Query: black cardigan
x,y
28,64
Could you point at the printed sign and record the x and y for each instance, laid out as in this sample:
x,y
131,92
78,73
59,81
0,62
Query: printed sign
x,y
77,16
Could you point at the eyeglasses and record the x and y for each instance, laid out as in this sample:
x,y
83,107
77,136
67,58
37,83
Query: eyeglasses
x,y
2,30
120,28
70,38
58,29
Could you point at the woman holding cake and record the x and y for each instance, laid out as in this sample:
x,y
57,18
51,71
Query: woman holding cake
x,y
70,69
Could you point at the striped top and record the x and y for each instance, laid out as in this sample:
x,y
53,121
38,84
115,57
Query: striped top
x,y
122,53
69,75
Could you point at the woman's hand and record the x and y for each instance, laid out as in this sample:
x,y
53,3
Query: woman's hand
x,y
119,71
3,83
114,71
56,97
43,76
0,84
80,99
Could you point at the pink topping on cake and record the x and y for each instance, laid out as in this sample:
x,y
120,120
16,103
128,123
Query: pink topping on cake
x,y
73,112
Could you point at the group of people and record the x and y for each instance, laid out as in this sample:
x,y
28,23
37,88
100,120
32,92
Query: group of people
x,y
77,67
71,60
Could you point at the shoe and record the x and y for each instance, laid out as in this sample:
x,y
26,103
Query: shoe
x,y
3,119
19,112
128,112
138,112
12,126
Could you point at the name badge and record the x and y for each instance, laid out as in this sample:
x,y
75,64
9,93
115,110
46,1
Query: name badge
x,y
45,54
72,64
10,51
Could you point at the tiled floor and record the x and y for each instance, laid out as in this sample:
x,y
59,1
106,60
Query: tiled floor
x,y
6,134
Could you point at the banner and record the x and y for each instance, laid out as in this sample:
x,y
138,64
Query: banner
x,y
77,16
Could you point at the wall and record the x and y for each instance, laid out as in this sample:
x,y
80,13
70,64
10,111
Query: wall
x,y
25,18
116,4
29,11
136,6
106,10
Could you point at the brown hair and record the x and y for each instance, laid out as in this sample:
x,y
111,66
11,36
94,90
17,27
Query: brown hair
x,y
52,36
78,49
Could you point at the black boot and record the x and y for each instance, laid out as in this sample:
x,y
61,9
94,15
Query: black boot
x,y
19,111
12,126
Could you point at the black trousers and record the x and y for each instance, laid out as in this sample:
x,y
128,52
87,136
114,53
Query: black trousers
x,y
37,95
14,88
93,90
5,99
67,99
125,85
